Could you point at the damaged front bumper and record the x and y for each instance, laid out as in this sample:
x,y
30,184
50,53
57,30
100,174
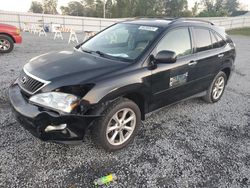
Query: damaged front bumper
x,y
48,125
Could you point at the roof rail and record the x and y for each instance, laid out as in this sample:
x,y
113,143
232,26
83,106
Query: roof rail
x,y
191,19
154,17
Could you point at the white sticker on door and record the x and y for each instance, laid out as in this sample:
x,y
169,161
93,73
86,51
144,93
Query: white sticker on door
x,y
178,80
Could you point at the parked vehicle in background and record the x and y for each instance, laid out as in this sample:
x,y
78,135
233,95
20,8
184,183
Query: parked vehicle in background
x,y
8,36
109,82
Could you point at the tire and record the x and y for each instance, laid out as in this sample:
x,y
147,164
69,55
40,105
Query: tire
x,y
6,44
103,137
211,96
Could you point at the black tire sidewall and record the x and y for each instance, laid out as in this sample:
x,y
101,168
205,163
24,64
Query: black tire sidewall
x,y
10,41
103,123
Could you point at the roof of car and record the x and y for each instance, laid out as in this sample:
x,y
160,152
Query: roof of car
x,y
165,22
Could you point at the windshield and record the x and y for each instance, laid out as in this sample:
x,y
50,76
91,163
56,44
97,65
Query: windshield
x,y
123,41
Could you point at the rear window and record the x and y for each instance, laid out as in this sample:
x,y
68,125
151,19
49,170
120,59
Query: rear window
x,y
203,39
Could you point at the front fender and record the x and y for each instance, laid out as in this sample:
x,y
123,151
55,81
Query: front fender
x,y
137,88
136,82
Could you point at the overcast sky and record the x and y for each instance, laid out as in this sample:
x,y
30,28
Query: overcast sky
x,y
24,5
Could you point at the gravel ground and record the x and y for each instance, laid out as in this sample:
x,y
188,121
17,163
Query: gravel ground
x,y
191,144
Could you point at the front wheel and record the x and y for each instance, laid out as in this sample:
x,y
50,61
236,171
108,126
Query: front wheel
x,y
217,88
6,44
118,126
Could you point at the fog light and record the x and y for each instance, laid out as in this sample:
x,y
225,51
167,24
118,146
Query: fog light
x,y
55,127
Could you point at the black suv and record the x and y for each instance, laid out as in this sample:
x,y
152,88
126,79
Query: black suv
x,y
109,82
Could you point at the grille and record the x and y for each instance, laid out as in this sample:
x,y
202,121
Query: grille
x,y
29,84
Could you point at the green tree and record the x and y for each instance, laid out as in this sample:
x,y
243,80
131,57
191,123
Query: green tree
x,y
219,4
175,8
90,7
121,8
136,8
65,10
149,8
208,5
49,6
187,13
195,8
232,5
142,8
109,7
89,3
74,8
214,8
36,7
99,8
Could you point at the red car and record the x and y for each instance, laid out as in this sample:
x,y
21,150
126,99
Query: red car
x,y
8,36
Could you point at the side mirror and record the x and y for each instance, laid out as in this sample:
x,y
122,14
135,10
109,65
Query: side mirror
x,y
165,56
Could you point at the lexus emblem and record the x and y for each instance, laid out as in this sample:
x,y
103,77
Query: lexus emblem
x,y
24,80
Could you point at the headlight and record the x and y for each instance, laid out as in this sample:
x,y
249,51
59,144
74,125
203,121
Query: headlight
x,y
55,100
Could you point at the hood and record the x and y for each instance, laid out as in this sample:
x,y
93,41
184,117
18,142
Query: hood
x,y
71,67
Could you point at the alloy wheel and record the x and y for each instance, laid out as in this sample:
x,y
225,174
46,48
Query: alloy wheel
x,y
218,87
4,45
121,126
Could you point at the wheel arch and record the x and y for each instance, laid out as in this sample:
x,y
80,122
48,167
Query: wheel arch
x,y
135,92
138,99
227,71
228,66
1,33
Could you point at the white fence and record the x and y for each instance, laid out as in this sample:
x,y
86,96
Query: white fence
x,y
21,20
96,24
230,22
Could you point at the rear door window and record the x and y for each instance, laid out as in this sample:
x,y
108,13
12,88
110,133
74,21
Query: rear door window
x,y
203,39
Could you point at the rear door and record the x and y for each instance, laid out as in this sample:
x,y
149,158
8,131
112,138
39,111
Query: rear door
x,y
207,58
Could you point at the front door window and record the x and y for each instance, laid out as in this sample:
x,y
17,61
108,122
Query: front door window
x,y
178,41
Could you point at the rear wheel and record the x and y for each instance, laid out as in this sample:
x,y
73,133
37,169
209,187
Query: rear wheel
x,y
118,126
6,44
217,88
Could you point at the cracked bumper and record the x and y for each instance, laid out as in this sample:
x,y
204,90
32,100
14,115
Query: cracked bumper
x,y
36,119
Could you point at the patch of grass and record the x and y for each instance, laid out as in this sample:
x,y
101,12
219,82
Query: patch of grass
x,y
241,31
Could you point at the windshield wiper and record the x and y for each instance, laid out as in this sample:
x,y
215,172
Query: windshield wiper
x,y
112,57
97,52
87,51
101,53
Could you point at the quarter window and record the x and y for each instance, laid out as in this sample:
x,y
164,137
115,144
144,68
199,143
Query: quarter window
x,y
221,42
178,41
203,40
215,42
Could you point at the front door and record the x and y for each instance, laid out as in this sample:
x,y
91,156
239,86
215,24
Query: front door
x,y
170,82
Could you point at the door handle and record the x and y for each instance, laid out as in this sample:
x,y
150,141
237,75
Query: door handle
x,y
192,63
221,55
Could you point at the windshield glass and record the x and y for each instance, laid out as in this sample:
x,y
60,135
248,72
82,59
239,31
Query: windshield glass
x,y
123,41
